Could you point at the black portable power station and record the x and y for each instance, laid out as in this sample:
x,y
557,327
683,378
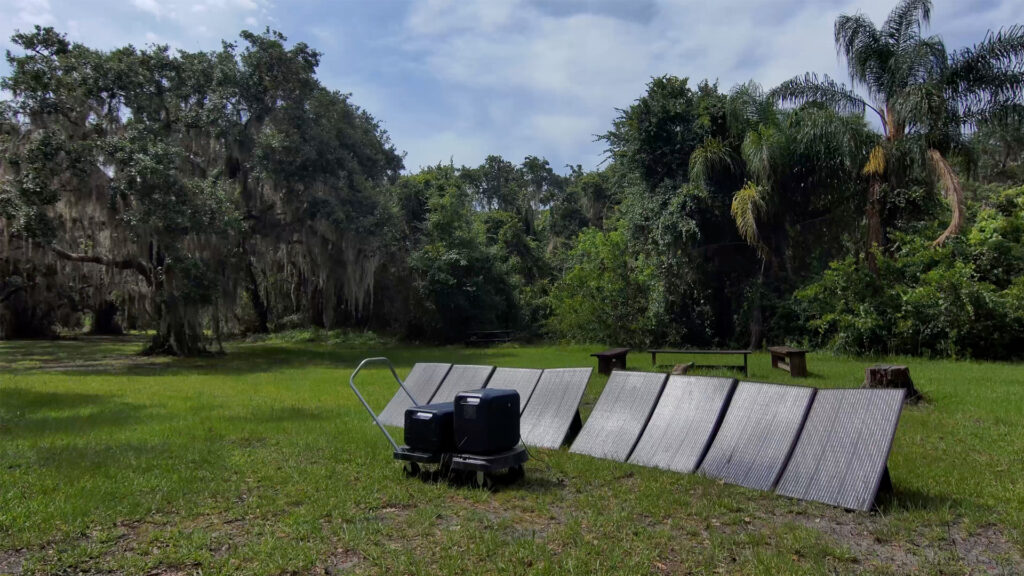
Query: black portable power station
x,y
430,428
486,421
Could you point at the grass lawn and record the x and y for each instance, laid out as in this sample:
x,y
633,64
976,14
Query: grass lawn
x,y
263,462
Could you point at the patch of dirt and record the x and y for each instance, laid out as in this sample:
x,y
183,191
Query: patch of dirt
x,y
984,550
342,561
12,562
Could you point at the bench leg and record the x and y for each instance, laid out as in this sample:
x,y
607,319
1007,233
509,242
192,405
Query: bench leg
x,y
798,366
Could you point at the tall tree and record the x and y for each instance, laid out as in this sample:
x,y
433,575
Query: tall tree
x,y
920,92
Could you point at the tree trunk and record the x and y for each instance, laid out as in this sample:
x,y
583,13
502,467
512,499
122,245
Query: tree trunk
x,y
891,376
876,236
179,330
953,192
259,306
105,320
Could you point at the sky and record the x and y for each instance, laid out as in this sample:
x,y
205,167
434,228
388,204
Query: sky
x,y
457,80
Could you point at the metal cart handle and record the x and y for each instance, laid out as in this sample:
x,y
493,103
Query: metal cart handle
x,y
352,383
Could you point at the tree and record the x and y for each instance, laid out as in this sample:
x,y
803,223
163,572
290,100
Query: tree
x,y
920,92
198,174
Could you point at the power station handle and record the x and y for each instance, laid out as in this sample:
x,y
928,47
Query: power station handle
x,y
352,384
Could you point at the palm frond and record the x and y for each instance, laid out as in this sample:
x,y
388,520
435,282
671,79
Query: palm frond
x,y
904,24
709,157
953,191
822,89
760,154
862,45
989,75
747,206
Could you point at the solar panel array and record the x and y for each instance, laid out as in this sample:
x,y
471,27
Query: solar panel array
x,y
620,415
830,446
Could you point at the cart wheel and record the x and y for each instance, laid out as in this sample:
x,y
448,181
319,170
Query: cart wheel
x,y
411,469
516,472
483,480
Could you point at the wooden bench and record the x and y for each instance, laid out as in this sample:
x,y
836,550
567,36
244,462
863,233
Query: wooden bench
x,y
792,360
611,359
487,337
654,357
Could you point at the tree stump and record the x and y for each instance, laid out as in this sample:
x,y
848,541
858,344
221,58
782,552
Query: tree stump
x,y
891,376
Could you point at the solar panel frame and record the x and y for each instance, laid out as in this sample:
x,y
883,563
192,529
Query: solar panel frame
x,y
554,404
620,415
843,452
758,434
460,378
683,423
422,382
522,380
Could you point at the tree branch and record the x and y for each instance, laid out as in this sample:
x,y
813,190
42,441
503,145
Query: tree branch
x,y
125,264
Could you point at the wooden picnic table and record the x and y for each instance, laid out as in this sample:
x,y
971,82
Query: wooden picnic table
x,y
485,337
654,357
611,359
792,360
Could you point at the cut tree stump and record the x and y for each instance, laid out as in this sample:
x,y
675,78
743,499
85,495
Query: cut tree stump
x,y
891,376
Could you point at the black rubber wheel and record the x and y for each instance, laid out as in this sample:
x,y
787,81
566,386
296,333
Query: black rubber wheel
x,y
516,473
411,469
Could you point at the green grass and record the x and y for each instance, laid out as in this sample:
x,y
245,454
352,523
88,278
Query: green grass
x,y
263,462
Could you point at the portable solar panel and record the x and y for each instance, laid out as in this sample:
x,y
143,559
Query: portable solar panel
x,y
842,453
421,382
553,407
683,423
522,380
620,415
758,434
460,378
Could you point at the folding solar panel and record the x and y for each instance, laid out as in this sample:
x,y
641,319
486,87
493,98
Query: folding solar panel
x,y
460,378
522,380
553,407
683,423
422,383
842,453
620,415
758,434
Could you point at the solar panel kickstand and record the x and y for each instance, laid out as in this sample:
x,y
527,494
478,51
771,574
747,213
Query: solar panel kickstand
x,y
885,489
574,428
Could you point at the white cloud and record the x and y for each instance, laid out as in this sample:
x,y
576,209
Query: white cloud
x,y
569,71
151,6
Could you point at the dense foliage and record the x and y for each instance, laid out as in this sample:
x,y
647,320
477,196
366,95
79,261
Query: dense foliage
x,y
229,192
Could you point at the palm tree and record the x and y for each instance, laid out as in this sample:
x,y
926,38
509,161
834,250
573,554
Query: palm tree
x,y
922,94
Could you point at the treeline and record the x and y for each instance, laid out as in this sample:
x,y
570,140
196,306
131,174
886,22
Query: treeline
x,y
220,193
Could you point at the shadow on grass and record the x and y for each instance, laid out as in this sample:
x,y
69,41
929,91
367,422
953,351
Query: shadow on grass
x,y
121,355
904,499
32,412
35,413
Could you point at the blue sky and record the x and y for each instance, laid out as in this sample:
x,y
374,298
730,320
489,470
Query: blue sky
x,y
461,79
